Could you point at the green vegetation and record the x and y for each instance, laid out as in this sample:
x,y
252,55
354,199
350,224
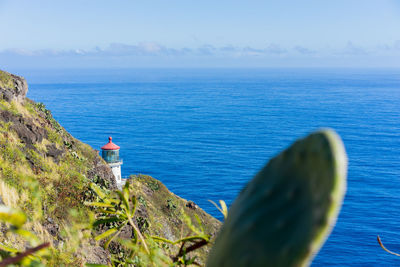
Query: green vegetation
x,y
142,201
10,106
54,137
114,212
42,108
153,185
5,80
30,107
62,183
169,216
46,174
171,205
31,257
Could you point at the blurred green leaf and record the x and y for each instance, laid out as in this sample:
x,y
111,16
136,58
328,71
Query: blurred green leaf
x,y
97,190
199,222
98,204
106,234
223,209
124,200
12,216
27,235
134,203
284,214
125,190
112,237
107,220
8,249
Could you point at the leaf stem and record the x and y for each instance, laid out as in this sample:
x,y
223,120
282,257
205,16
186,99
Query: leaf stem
x,y
139,234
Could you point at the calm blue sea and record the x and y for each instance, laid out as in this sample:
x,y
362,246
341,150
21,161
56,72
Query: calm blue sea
x,y
206,132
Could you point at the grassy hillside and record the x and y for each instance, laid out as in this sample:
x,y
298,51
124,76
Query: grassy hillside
x,y
45,172
162,213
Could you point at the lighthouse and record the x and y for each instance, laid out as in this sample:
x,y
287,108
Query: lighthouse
x,y
110,153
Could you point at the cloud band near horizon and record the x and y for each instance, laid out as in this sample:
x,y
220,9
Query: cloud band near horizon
x,y
156,55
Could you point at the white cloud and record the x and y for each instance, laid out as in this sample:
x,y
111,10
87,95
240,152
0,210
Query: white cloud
x,y
154,54
354,50
275,49
304,50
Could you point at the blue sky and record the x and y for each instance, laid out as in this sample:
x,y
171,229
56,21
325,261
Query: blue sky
x,y
178,33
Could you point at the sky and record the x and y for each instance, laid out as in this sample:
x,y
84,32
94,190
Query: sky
x,y
189,33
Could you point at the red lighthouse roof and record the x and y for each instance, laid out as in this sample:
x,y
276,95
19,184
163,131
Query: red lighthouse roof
x,y
110,145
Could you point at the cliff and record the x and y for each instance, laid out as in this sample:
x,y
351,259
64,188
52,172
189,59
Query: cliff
x,y
46,173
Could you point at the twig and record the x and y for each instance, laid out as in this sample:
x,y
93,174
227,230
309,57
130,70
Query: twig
x,y
19,257
139,234
181,249
382,246
190,249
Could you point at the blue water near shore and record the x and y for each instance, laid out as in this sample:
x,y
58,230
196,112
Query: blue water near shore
x,y
205,133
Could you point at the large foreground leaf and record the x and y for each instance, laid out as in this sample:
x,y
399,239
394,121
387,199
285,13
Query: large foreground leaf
x,y
283,216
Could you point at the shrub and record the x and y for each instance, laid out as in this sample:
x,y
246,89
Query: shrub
x,y
54,137
11,153
37,161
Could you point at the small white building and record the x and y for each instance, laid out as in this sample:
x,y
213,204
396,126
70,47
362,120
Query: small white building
x,y
110,153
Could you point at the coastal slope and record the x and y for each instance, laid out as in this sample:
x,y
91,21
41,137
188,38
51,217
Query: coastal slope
x,y
46,173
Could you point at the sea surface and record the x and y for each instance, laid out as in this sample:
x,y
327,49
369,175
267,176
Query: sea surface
x,y
205,132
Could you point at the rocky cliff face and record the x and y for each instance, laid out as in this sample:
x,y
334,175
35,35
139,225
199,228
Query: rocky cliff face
x,y
44,170
38,156
34,125
162,213
12,87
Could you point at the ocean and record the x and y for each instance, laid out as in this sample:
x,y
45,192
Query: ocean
x,y
205,132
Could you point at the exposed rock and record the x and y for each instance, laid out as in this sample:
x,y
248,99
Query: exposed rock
x,y
127,232
52,228
26,129
103,172
96,255
54,152
7,116
191,205
12,87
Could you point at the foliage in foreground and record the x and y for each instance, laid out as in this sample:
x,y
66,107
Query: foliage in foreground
x,y
30,257
283,216
115,211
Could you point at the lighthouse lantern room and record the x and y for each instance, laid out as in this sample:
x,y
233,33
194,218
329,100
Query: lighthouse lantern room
x,y
110,153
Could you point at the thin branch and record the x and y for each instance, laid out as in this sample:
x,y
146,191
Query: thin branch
x,y
139,234
190,249
382,246
196,246
181,249
19,257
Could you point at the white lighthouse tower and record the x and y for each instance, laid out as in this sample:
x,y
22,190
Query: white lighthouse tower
x,y
110,153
